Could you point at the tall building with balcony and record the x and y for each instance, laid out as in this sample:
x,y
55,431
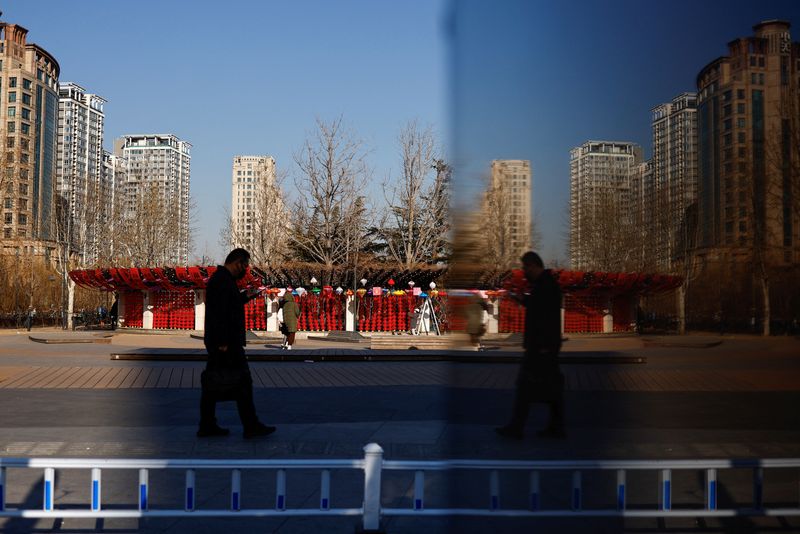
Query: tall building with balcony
x,y
160,164
115,181
674,173
28,140
747,127
250,175
600,193
81,190
512,179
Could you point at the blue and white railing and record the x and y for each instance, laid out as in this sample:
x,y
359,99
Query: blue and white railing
x,y
373,465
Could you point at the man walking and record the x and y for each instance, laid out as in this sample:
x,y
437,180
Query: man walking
x,y
540,379
227,375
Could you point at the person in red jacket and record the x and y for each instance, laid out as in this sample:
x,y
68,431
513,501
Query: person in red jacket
x,y
539,379
227,375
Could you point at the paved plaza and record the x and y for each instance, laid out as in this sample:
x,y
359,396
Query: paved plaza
x,y
695,397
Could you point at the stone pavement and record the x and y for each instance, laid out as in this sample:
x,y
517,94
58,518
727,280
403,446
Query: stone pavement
x,y
736,399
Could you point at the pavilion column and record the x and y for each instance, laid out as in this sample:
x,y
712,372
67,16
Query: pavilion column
x,y
350,314
199,309
123,299
493,322
608,318
271,305
147,315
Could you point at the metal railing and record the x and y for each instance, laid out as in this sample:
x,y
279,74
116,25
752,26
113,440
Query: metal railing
x,y
373,465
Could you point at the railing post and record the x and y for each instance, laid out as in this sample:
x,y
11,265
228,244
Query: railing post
x,y
2,489
373,462
325,491
535,499
49,484
96,489
419,490
190,492
758,488
576,490
494,490
665,489
143,482
236,490
711,489
621,497
280,490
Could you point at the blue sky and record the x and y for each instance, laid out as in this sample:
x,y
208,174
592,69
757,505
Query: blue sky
x,y
248,77
532,79
513,79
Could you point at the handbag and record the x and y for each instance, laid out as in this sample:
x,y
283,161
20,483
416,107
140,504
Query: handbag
x,y
223,379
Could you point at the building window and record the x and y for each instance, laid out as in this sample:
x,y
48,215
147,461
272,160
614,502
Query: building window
x,y
12,96
740,108
8,203
23,204
27,84
726,96
740,123
23,158
26,114
23,189
760,61
12,111
26,99
22,219
10,142
24,143
7,233
21,232
10,157
26,128
12,82
23,174
8,218
740,94
760,78
10,188
11,127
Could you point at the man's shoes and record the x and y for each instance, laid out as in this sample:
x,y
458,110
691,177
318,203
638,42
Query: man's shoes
x,y
258,431
509,431
554,433
212,431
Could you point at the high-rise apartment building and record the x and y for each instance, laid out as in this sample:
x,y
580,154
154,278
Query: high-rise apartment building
x,y
159,164
29,110
115,181
258,218
80,189
747,109
511,179
600,194
674,173
250,174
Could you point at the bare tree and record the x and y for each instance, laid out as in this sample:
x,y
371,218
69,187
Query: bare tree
x,y
150,230
333,172
414,228
609,241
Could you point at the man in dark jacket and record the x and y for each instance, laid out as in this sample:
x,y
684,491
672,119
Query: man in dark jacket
x,y
227,375
540,379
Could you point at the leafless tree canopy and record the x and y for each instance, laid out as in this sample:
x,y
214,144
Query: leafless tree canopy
x,y
414,228
328,219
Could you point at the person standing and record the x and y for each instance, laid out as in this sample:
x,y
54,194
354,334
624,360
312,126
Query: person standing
x,y
476,326
539,379
29,318
227,374
291,313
